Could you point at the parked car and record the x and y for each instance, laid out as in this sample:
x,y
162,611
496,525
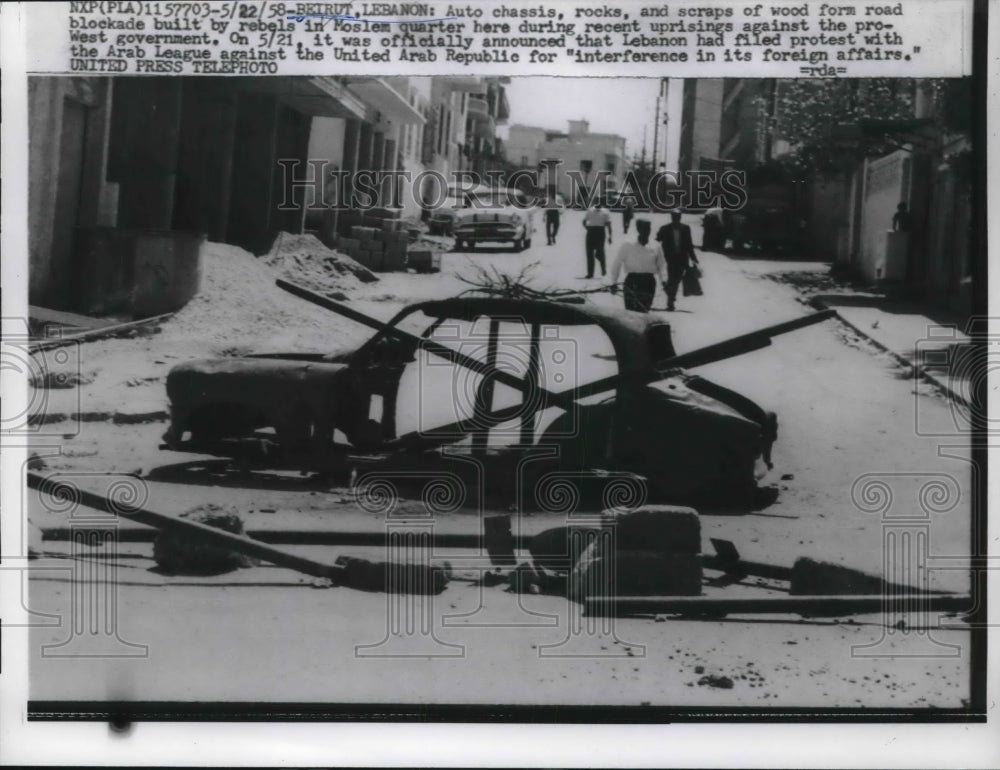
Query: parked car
x,y
768,222
442,217
495,216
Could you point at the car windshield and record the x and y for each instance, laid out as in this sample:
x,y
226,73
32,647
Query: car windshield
x,y
497,198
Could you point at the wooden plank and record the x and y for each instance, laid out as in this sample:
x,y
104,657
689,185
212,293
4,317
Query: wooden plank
x,y
94,334
47,315
238,543
810,606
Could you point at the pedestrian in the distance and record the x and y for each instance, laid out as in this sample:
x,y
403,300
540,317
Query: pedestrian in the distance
x,y
678,251
901,220
713,232
596,221
642,265
552,215
627,213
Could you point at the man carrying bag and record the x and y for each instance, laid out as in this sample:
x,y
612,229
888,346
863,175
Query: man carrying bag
x,y
691,282
678,251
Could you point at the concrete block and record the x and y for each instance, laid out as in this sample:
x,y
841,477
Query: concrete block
x,y
601,572
657,528
394,259
424,260
362,233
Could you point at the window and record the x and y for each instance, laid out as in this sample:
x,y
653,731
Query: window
x,y
586,166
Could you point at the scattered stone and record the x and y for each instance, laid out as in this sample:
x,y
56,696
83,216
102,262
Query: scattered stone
x,y
51,380
491,578
787,476
720,682
699,669
181,553
406,578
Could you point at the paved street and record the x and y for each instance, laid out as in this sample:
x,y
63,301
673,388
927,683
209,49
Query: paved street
x,y
844,414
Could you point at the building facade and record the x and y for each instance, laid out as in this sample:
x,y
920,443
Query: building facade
x,y
701,123
580,158
235,159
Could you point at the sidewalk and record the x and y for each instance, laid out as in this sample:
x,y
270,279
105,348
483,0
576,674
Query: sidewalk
x,y
938,348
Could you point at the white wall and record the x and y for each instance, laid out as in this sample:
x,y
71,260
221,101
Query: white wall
x,y
886,185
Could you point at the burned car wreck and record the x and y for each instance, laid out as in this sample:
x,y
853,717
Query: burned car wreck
x,y
685,436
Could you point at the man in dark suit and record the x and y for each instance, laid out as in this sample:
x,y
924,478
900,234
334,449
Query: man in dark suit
x,y
678,251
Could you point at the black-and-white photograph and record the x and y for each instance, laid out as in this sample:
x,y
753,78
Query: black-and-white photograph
x,y
461,395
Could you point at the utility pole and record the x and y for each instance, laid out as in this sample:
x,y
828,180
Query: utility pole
x,y
666,134
656,128
644,128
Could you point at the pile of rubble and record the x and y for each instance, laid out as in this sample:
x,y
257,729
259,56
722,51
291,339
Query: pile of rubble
x,y
239,305
304,260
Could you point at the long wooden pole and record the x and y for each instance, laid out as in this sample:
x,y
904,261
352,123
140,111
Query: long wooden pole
x,y
814,606
239,543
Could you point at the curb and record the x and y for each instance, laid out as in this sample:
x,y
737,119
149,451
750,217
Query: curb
x,y
939,384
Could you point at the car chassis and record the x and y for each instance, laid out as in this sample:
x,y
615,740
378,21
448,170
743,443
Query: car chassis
x,y
683,435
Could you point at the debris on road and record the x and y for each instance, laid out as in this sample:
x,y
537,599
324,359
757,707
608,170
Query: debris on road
x,y
180,553
720,682
304,260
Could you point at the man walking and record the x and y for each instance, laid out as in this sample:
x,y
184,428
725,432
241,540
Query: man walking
x,y
552,215
642,264
596,221
678,251
627,213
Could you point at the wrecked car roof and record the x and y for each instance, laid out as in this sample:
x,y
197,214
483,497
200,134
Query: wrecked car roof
x,y
629,332
538,311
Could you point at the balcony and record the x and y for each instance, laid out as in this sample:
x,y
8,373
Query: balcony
x,y
477,109
326,97
503,108
385,99
484,128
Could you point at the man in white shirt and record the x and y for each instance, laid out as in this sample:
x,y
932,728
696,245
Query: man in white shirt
x,y
642,265
596,220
